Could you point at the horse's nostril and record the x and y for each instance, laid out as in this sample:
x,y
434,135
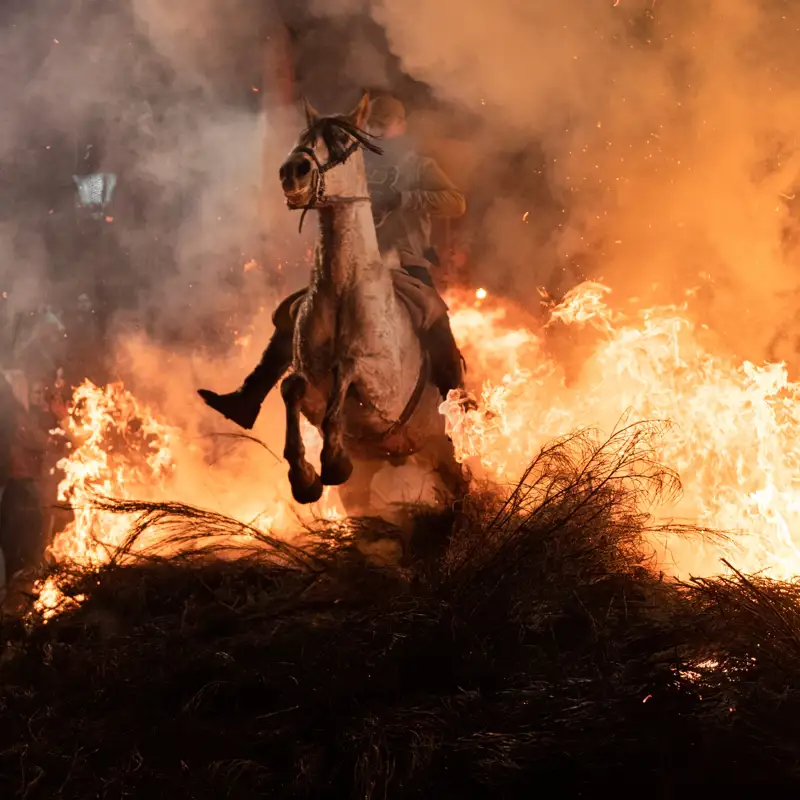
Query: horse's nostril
x,y
303,168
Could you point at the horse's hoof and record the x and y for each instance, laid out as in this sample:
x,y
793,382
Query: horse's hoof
x,y
336,471
457,481
303,491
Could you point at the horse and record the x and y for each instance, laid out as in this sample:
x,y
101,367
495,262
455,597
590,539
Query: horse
x,y
360,373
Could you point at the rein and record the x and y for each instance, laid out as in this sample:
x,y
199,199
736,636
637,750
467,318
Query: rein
x,y
360,138
414,400
411,405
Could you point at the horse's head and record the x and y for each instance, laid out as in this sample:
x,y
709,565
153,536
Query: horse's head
x,y
326,164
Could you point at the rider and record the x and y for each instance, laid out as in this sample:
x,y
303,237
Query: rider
x,y
406,191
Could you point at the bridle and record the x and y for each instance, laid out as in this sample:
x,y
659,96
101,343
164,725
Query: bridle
x,y
319,197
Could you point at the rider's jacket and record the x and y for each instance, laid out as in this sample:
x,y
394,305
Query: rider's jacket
x,y
425,192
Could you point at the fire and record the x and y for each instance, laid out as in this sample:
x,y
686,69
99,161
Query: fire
x,y
122,448
735,437
119,447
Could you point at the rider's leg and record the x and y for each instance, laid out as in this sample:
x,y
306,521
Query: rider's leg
x,y
243,405
422,274
446,359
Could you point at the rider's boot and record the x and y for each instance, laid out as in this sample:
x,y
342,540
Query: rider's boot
x,y
448,366
244,405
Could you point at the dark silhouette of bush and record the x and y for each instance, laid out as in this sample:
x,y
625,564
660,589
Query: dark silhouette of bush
x,y
525,645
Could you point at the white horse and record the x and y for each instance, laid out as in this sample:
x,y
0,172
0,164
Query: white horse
x,y
360,374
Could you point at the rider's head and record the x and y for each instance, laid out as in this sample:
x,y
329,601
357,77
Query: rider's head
x,y
387,117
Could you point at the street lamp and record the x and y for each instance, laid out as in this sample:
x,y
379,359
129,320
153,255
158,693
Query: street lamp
x,y
95,191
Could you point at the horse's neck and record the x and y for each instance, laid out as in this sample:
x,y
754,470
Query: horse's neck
x,y
347,248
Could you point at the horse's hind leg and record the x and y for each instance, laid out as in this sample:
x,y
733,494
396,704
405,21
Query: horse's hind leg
x,y
455,477
334,461
356,494
303,478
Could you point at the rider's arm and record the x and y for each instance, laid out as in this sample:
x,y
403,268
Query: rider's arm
x,y
436,195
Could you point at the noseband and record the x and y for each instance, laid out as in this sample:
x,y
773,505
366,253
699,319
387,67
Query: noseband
x,y
326,128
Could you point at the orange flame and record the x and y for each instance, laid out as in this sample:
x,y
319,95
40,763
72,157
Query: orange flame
x,y
735,438
119,448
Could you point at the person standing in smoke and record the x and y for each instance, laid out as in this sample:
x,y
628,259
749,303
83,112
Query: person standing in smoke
x,y
38,341
84,343
21,514
406,191
47,412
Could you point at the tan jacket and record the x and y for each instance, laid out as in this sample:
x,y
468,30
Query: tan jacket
x,y
425,192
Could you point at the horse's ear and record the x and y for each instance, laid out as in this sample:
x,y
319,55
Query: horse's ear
x,y
359,115
312,115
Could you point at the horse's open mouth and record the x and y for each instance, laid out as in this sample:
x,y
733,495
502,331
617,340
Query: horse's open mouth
x,y
297,199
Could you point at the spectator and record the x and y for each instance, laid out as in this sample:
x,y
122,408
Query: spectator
x,y
39,341
48,409
85,343
21,515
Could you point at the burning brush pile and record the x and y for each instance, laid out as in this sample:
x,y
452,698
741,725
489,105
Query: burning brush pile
x,y
570,621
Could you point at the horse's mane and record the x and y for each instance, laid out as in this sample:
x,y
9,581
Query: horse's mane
x,y
330,130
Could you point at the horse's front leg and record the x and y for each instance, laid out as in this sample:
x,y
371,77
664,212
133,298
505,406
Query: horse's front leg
x,y
336,465
303,478
455,477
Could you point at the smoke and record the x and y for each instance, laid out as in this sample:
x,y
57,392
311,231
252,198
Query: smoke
x,y
668,134
166,97
654,144
650,145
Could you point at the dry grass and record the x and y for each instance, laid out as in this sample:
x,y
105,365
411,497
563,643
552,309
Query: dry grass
x,y
523,643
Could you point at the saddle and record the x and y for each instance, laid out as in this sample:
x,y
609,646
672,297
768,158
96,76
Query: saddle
x,y
429,316
422,302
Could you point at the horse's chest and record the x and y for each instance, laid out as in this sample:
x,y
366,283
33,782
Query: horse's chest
x,y
315,334
355,327
315,358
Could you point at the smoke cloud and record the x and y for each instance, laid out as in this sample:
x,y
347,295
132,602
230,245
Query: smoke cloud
x,y
653,145
165,97
668,139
